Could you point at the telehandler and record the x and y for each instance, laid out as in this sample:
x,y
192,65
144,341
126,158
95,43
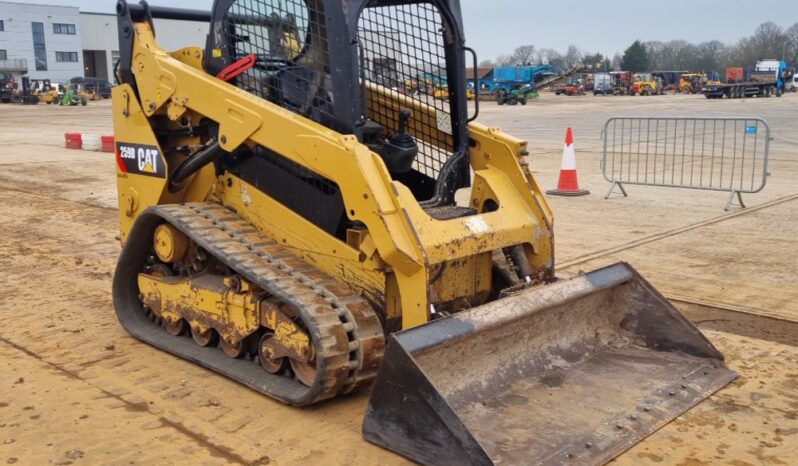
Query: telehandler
x,y
290,223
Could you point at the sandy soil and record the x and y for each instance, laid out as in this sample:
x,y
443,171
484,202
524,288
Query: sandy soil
x,y
76,389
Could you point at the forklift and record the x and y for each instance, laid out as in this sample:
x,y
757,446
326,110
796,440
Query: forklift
x,y
45,91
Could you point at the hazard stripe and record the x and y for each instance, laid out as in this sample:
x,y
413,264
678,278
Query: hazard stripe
x,y
119,162
568,158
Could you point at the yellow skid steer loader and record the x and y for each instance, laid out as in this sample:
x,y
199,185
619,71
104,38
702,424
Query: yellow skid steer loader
x,y
288,219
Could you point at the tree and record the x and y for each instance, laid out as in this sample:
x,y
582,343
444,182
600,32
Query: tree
x,y
635,58
743,53
573,57
685,56
711,56
504,60
791,37
550,56
523,55
617,61
769,40
487,63
593,60
656,50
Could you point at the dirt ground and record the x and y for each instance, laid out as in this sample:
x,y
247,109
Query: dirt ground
x,y
76,389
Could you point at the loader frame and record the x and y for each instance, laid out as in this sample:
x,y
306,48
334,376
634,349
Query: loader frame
x,y
394,258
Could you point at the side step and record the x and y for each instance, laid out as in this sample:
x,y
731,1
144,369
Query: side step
x,y
574,372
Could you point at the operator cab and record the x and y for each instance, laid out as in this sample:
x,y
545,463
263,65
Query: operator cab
x,y
390,83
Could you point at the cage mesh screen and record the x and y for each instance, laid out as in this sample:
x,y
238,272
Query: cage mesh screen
x,y
292,69
403,51
290,41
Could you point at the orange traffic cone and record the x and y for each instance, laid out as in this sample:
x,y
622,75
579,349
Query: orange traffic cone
x,y
568,185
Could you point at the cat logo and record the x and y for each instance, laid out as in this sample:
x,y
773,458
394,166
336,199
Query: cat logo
x,y
147,160
140,159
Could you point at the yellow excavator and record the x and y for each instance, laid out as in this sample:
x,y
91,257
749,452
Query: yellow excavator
x,y
291,224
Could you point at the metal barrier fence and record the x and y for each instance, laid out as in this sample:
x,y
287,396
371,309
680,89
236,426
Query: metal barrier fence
x,y
717,154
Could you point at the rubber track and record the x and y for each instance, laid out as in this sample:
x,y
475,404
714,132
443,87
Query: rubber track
x,y
345,330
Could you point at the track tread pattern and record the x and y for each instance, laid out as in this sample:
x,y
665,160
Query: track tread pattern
x,y
345,329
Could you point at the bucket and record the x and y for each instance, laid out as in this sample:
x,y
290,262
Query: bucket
x,y
573,372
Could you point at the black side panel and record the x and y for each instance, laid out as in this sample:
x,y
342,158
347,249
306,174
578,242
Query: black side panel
x,y
421,185
315,198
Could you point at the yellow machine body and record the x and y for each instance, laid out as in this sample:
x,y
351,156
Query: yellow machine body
x,y
458,320
403,246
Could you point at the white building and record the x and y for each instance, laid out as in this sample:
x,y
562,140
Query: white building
x,y
43,38
100,40
61,42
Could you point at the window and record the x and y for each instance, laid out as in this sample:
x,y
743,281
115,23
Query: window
x,y
2,25
39,50
3,55
60,28
66,56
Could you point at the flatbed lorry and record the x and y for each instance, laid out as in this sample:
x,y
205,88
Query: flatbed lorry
x,y
768,78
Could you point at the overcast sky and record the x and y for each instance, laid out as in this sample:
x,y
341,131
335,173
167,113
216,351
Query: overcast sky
x,y
496,27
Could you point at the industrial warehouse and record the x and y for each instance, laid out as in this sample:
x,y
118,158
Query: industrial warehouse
x,y
368,232
62,42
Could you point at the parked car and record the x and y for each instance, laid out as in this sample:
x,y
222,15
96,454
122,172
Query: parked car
x,y
97,85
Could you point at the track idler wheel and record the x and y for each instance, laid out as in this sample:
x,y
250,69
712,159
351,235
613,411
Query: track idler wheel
x,y
305,371
286,340
232,350
202,338
270,364
177,328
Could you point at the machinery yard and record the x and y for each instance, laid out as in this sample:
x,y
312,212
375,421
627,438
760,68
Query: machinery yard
x,y
75,388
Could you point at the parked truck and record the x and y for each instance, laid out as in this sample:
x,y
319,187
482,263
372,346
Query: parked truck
x,y
602,84
621,82
767,78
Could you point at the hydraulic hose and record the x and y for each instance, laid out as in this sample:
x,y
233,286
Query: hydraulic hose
x,y
193,164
